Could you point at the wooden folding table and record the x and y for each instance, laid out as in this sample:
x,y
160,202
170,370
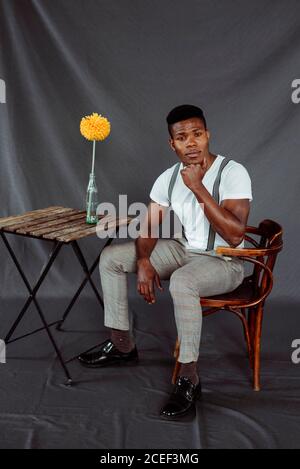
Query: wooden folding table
x,y
59,226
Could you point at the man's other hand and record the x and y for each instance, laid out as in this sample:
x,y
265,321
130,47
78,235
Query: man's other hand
x,y
147,278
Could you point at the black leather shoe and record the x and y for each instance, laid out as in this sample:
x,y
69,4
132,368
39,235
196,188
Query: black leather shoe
x,y
107,354
182,399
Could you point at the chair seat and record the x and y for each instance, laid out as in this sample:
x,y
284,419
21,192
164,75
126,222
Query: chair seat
x,y
245,293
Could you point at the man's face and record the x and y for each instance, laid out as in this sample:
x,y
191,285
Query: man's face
x,y
190,140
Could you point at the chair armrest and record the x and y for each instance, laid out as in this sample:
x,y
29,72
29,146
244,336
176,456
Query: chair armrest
x,y
250,252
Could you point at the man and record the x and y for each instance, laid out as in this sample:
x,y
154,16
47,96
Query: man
x,y
190,262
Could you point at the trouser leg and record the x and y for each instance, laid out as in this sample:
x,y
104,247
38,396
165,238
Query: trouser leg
x,y
202,275
119,259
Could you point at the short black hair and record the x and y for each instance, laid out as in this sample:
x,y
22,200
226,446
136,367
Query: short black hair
x,y
183,112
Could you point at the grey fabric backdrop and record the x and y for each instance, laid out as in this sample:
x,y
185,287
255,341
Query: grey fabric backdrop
x,y
132,61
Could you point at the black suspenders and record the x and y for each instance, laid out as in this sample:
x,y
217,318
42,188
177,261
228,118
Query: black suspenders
x,y
215,195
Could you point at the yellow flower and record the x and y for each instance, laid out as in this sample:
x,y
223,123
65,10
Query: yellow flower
x,y
95,127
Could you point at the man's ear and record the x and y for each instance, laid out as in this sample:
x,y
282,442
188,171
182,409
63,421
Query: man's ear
x,y
171,143
208,134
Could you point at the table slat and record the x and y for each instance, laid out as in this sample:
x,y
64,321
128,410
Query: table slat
x,y
25,227
41,210
79,227
68,227
92,230
34,228
29,216
60,225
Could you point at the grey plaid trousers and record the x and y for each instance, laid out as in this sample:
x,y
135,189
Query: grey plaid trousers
x,y
192,274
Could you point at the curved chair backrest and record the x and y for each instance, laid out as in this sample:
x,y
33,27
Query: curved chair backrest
x,y
270,240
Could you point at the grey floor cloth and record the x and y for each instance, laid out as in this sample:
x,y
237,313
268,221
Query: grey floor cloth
x,y
118,407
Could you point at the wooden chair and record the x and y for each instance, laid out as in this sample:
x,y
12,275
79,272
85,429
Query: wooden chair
x,y
247,301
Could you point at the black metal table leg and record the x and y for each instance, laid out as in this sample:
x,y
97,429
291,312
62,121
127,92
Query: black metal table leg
x,y
88,272
83,263
69,379
32,297
31,291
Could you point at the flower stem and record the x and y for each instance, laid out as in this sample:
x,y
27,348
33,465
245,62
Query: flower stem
x,y
94,150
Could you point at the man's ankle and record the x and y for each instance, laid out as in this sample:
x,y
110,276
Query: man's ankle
x,y
189,370
122,340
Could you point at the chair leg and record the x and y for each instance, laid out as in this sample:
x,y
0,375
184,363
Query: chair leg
x,y
257,341
249,344
251,328
177,364
241,313
251,322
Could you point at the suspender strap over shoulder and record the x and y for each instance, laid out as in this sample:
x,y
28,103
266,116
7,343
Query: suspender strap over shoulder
x,y
171,187
216,196
172,181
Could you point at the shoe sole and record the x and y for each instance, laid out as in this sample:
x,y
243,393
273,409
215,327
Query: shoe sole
x,y
187,413
116,363
191,412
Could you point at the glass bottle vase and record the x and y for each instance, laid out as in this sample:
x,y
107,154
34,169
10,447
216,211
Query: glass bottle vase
x,y
92,200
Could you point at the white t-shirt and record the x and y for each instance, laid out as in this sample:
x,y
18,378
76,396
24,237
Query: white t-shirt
x,y
235,184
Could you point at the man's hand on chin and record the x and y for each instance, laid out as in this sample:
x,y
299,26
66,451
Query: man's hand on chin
x,y
192,174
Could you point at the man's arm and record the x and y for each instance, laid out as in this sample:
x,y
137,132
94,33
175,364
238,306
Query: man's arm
x,y
145,243
229,219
